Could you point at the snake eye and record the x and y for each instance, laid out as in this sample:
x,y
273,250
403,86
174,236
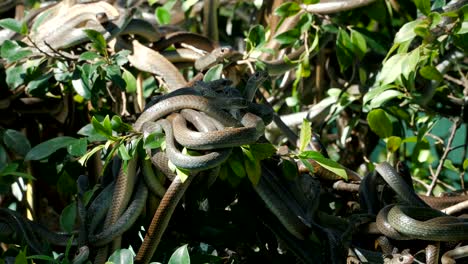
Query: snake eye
x,y
401,259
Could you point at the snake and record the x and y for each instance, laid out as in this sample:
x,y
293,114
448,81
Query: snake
x,y
65,28
192,39
203,162
416,219
251,131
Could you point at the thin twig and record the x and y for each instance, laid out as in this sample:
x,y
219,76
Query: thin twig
x,y
456,208
455,125
335,6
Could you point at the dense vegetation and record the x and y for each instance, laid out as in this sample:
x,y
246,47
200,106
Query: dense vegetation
x,y
376,81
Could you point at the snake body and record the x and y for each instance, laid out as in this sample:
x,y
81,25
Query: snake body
x,y
416,220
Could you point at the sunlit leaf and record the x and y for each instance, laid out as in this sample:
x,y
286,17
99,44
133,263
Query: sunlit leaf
x,y
163,16
359,43
406,32
391,69
88,55
423,5
384,97
327,164
287,9
393,143
98,41
380,123
214,73
448,164
288,37
465,164
306,135
121,256
12,51
130,81
180,256
85,157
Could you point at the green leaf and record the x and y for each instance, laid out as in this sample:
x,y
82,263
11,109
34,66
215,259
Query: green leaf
x,y
255,37
80,83
163,16
359,44
463,28
121,57
465,164
107,124
68,217
214,73
88,56
130,81
123,152
380,123
448,164
327,164
235,162
119,126
344,52
187,4
61,72
289,169
91,133
78,148
262,151
153,140
45,149
384,97
306,134
422,29
88,155
41,85
391,69
12,51
287,9
288,37
252,166
14,25
113,74
121,256
98,41
410,63
21,257
180,256
16,141
423,5
431,73
406,32
101,129
15,76
393,143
